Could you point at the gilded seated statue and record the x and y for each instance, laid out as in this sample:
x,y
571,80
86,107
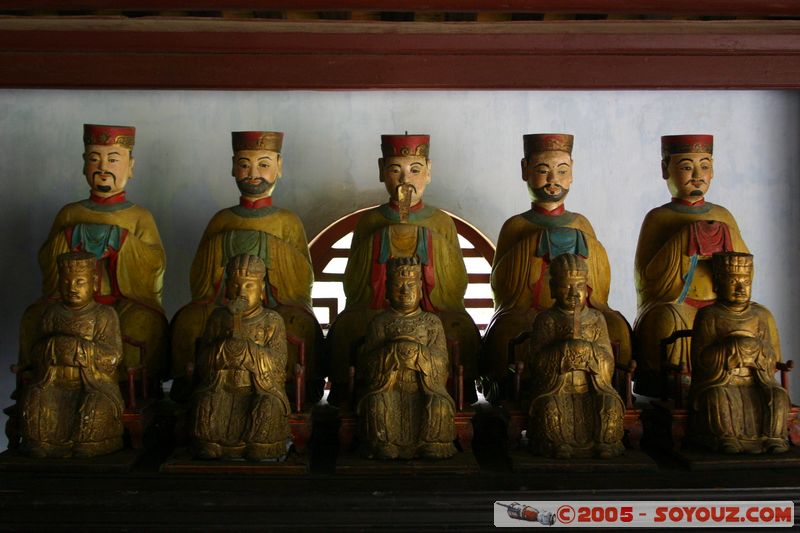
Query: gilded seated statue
x,y
574,411
736,404
527,245
403,227
73,407
124,239
673,257
405,410
254,227
240,404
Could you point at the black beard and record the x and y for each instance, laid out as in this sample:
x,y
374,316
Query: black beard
x,y
250,189
103,188
696,192
543,196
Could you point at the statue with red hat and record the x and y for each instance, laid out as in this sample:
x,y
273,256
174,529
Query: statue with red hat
x,y
254,227
672,267
527,244
124,238
403,227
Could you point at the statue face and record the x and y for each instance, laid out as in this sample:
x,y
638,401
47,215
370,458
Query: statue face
x,y
256,172
411,169
734,287
249,289
405,292
549,176
107,169
688,175
569,291
77,287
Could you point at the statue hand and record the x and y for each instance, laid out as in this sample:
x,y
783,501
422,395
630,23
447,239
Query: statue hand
x,y
407,351
64,347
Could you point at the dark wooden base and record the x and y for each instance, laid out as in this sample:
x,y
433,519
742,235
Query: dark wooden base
x,y
524,462
181,462
117,462
353,464
697,458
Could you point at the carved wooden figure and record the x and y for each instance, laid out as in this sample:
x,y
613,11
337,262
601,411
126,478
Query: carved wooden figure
x,y
574,411
736,404
73,405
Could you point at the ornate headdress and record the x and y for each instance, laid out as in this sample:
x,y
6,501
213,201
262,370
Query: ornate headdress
x,y
245,265
686,144
562,264
545,142
76,262
109,135
732,263
257,140
398,145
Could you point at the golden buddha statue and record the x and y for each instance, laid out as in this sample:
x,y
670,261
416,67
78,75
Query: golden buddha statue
x,y
254,227
403,227
124,239
405,410
72,406
241,408
527,245
736,404
575,411
672,266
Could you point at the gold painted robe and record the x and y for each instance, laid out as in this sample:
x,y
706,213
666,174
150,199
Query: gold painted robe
x,y
665,302
406,405
573,402
521,283
430,231
73,404
734,396
275,235
136,273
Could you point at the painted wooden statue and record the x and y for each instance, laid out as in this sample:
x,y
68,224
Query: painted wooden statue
x,y
527,245
241,408
574,411
405,410
124,239
403,227
72,406
254,227
737,406
672,265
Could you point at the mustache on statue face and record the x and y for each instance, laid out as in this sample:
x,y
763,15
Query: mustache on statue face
x,y
100,174
542,194
260,186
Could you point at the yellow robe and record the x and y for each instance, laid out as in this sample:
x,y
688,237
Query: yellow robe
x,y
447,295
139,274
518,275
282,242
661,265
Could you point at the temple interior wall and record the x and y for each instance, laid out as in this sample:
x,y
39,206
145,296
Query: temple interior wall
x,y
183,163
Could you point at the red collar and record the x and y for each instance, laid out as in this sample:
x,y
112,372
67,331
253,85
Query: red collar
x,y
542,211
681,201
394,205
117,198
255,204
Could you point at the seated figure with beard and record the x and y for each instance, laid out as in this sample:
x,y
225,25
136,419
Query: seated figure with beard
x,y
277,237
527,244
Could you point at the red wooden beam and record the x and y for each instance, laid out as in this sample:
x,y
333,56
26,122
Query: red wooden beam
x,y
758,8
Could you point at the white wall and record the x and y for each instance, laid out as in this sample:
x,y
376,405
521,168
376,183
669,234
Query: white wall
x,y
330,151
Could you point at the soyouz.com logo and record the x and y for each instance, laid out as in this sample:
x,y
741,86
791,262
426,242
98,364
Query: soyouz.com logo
x,y
666,514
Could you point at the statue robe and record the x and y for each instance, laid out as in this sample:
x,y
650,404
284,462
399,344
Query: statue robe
x,y
277,237
241,402
124,238
734,396
573,402
521,282
435,241
73,403
672,272
406,405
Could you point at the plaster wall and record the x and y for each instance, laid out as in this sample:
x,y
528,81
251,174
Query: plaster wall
x,y
183,163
